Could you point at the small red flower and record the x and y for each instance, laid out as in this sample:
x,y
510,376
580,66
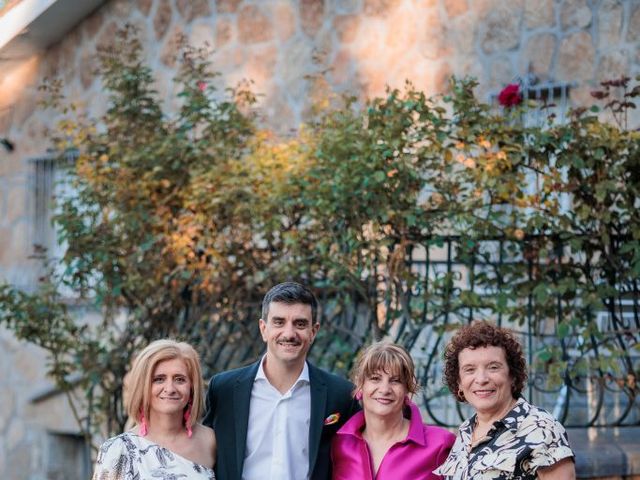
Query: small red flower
x,y
202,86
510,95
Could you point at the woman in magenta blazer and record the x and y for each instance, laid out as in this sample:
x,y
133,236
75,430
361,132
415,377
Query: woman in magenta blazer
x,y
387,439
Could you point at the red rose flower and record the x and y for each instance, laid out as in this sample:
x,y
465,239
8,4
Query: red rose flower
x,y
202,86
510,95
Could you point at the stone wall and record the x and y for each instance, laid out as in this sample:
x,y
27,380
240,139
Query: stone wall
x,y
362,45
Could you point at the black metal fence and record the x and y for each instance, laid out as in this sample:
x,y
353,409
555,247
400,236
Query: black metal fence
x,y
584,361
583,353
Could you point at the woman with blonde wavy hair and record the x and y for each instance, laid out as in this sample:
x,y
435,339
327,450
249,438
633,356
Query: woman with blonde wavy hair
x,y
164,401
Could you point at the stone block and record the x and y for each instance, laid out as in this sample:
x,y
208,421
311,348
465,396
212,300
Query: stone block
x,y
121,8
374,81
5,119
224,32
369,46
91,25
606,452
162,18
538,55
144,6
294,63
319,90
501,72
3,457
462,33
279,112
13,162
202,35
402,32
575,14
27,363
49,63
27,105
227,6
15,433
324,41
65,54
576,58
191,9
54,412
107,34
89,62
171,48
17,203
379,7
20,247
420,74
10,344
20,464
500,29
455,7
633,29
7,411
631,448
261,64
346,27
3,203
342,67
539,14
609,23
254,25
228,59
343,7
441,78
311,16
433,44
168,92
285,18
612,65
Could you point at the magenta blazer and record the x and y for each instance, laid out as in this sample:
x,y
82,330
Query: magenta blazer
x,y
425,448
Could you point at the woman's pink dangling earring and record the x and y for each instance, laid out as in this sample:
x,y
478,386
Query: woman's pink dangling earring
x,y
359,395
143,424
187,416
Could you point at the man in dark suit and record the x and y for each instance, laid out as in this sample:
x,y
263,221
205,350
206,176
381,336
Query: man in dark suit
x,y
274,420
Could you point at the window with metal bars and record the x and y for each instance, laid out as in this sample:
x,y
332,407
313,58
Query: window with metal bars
x,y
50,182
67,456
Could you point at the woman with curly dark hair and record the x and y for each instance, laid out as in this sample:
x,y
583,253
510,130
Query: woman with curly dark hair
x,y
507,437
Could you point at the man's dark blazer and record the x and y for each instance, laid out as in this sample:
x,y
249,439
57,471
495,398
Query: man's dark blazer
x,y
227,411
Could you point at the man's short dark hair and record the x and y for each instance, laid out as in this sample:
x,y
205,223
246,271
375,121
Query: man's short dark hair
x,y
290,293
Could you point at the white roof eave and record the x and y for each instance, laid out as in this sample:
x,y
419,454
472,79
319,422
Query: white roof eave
x,y
33,25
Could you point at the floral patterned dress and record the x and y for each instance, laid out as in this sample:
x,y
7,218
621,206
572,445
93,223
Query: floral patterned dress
x,y
131,457
526,439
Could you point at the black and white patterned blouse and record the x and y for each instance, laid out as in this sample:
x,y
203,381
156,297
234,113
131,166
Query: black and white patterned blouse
x,y
131,457
526,439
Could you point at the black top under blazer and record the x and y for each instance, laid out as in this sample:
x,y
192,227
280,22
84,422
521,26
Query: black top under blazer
x,y
227,412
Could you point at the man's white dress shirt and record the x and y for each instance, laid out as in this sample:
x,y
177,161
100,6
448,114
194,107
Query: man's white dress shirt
x,y
278,432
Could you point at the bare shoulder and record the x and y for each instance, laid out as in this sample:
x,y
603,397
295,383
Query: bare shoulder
x,y
205,434
204,446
